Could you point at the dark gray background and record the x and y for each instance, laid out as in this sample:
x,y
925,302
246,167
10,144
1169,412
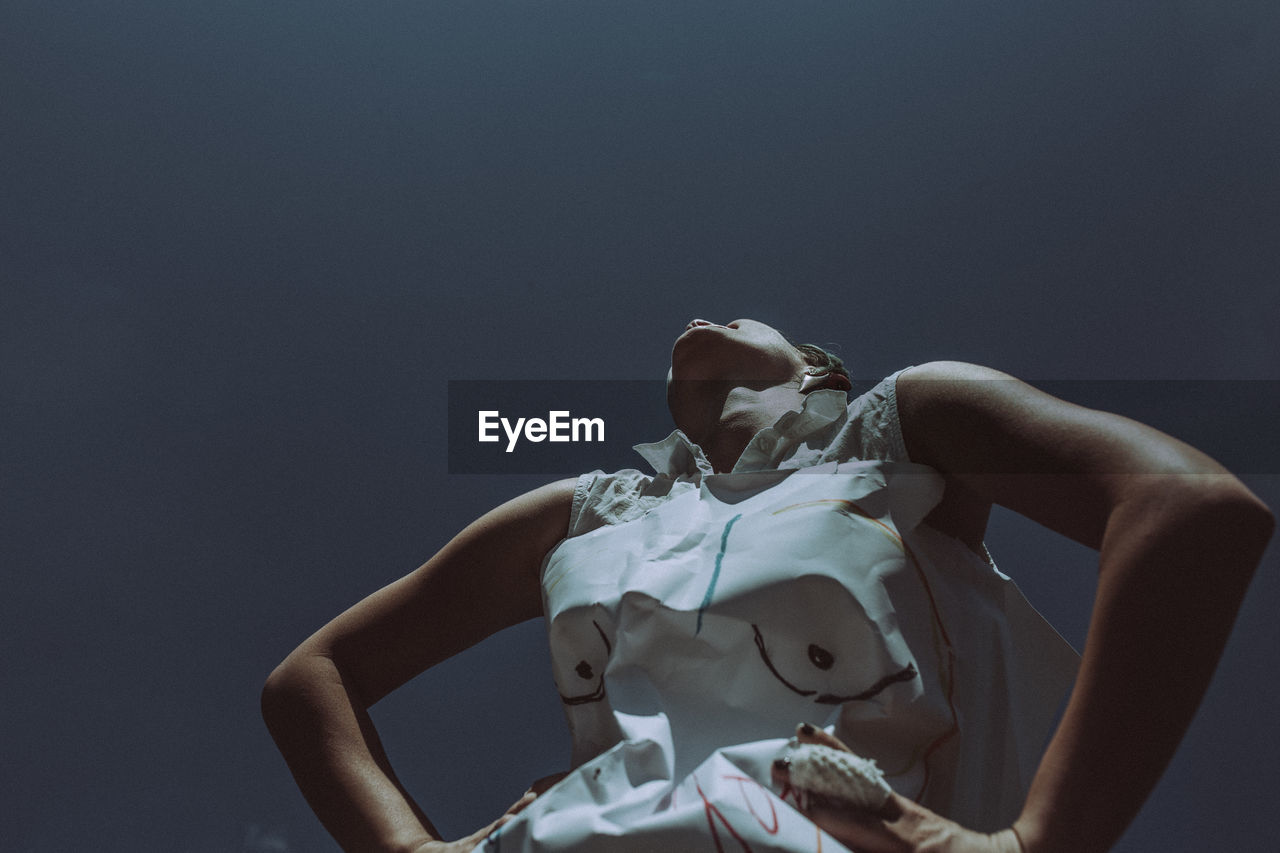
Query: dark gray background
x,y
243,247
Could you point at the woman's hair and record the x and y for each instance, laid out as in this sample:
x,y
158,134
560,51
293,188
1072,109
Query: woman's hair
x,y
826,362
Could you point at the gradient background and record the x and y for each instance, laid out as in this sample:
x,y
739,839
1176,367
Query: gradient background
x,y
244,246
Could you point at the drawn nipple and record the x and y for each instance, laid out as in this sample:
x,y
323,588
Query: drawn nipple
x,y
820,657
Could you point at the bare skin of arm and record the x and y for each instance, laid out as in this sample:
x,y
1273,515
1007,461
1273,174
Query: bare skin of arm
x,y
1178,538
315,703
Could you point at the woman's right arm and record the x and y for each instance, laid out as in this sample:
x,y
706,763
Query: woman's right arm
x,y
315,702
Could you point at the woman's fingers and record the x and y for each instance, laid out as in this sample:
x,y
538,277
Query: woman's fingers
x,y
807,733
519,805
477,838
810,734
541,785
862,829
898,826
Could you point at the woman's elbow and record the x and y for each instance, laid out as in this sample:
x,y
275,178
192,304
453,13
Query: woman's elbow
x,y
290,688
1211,518
1238,519
279,692
1261,522
1251,518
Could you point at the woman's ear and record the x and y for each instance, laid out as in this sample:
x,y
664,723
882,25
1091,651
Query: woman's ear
x,y
831,381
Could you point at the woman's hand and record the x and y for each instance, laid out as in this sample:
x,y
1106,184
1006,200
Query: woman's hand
x,y
475,839
900,826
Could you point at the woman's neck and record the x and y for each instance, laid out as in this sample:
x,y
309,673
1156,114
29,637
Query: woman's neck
x,y
736,418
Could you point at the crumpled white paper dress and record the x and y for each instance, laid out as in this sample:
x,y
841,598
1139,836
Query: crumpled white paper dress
x,y
688,643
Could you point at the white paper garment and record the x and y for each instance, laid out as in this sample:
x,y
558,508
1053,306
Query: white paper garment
x,y
688,643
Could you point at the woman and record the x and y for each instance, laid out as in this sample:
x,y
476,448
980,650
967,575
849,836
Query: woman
x,y
644,577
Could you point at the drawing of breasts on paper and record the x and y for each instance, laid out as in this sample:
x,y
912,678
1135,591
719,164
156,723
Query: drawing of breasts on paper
x,y
689,640
581,640
730,613
855,631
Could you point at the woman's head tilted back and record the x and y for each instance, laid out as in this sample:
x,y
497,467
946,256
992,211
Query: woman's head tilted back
x,y
708,358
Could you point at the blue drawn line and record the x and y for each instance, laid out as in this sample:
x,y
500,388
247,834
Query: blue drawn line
x,y
715,575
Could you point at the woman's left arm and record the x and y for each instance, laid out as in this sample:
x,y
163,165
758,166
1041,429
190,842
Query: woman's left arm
x,y
1178,538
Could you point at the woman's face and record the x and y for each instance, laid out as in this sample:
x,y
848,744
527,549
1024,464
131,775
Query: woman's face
x,y
743,350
